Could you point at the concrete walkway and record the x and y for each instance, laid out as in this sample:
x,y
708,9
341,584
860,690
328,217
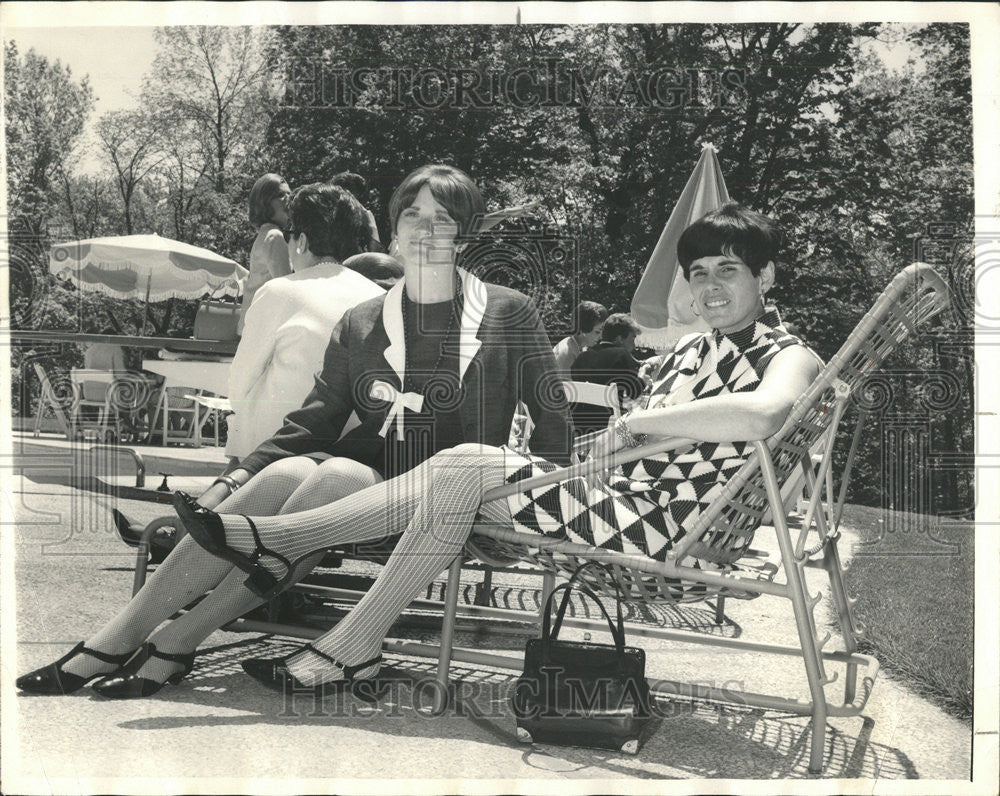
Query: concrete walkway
x,y
218,725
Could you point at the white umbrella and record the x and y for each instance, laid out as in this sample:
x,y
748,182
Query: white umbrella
x,y
144,265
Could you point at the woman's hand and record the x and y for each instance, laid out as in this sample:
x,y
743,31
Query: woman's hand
x,y
219,491
605,444
608,442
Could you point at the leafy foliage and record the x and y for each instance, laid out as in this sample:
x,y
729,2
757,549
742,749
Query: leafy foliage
x,y
865,168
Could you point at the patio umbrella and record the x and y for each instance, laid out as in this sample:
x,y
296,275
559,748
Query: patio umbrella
x,y
662,301
144,265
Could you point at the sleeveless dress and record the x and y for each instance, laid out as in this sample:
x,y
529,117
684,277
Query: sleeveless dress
x,y
645,506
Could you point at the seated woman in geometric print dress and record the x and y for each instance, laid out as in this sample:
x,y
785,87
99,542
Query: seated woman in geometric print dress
x,y
732,384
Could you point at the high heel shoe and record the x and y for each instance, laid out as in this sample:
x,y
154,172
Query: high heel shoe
x,y
53,680
126,684
206,527
274,673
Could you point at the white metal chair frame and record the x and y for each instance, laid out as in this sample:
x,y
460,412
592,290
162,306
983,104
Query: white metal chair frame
x,y
80,378
48,400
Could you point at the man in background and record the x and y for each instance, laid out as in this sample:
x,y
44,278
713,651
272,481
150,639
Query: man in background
x,y
608,362
357,186
589,321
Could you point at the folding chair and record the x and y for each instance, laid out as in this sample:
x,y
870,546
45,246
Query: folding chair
x,y
93,389
212,408
761,492
49,401
178,416
590,394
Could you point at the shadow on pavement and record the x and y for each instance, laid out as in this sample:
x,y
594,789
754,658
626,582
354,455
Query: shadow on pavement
x,y
697,739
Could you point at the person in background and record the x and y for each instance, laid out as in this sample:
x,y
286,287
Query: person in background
x,y
358,187
105,356
383,270
289,325
589,319
608,362
269,254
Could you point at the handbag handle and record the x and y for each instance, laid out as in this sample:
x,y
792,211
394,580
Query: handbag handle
x,y
584,588
549,633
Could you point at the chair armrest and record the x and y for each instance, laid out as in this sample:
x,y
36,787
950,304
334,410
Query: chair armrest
x,y
589,467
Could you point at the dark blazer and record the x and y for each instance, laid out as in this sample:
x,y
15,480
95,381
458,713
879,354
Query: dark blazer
x,y
504,357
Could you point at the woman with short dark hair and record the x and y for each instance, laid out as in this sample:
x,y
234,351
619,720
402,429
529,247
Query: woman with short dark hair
x,y
288,327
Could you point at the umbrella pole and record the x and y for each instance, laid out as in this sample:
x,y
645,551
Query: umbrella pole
x,y
145,315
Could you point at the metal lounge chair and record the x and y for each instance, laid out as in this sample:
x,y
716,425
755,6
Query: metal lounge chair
x,y
758,493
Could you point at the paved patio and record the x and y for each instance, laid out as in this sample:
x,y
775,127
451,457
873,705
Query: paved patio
x,y
218,725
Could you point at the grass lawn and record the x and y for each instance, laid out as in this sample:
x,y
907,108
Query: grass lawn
x,y
916,608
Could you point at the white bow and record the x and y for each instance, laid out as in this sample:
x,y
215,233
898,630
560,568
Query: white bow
x,y
383,391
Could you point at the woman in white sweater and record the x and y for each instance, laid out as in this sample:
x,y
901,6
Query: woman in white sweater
x,y
289,324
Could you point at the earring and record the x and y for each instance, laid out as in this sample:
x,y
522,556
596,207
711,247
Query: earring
x,y
693,310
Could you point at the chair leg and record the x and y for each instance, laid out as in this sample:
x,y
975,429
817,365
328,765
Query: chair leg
x,y
802,607
483,590
720,610
548,584
447,635
845,616
37,430
813,662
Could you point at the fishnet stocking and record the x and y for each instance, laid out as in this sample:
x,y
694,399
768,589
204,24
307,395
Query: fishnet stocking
x,y
435,503
188,572
332,480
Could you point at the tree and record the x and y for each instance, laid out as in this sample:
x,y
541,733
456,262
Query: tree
x,y
130,140
45,112
213,81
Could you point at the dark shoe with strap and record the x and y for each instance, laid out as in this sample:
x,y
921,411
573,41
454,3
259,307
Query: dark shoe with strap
x,y
206,527
52,680
274,673
126,684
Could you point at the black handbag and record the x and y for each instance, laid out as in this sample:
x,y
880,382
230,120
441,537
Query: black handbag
x,y
576,693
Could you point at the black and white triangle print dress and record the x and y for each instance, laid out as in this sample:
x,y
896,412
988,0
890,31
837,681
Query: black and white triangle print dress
x,y
645,506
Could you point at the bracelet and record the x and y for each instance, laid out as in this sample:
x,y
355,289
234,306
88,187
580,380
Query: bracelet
x,y
629,440
229,481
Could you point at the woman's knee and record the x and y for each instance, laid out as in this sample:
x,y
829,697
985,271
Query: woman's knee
x,y
341,467
332,480
293,468
466,451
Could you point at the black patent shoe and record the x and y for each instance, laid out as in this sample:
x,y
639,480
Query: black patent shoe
x,y
274,673
126,684
206,527
52,680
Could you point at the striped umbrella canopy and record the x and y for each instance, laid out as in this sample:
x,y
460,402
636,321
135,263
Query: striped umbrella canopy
x,y
662,301
146,266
